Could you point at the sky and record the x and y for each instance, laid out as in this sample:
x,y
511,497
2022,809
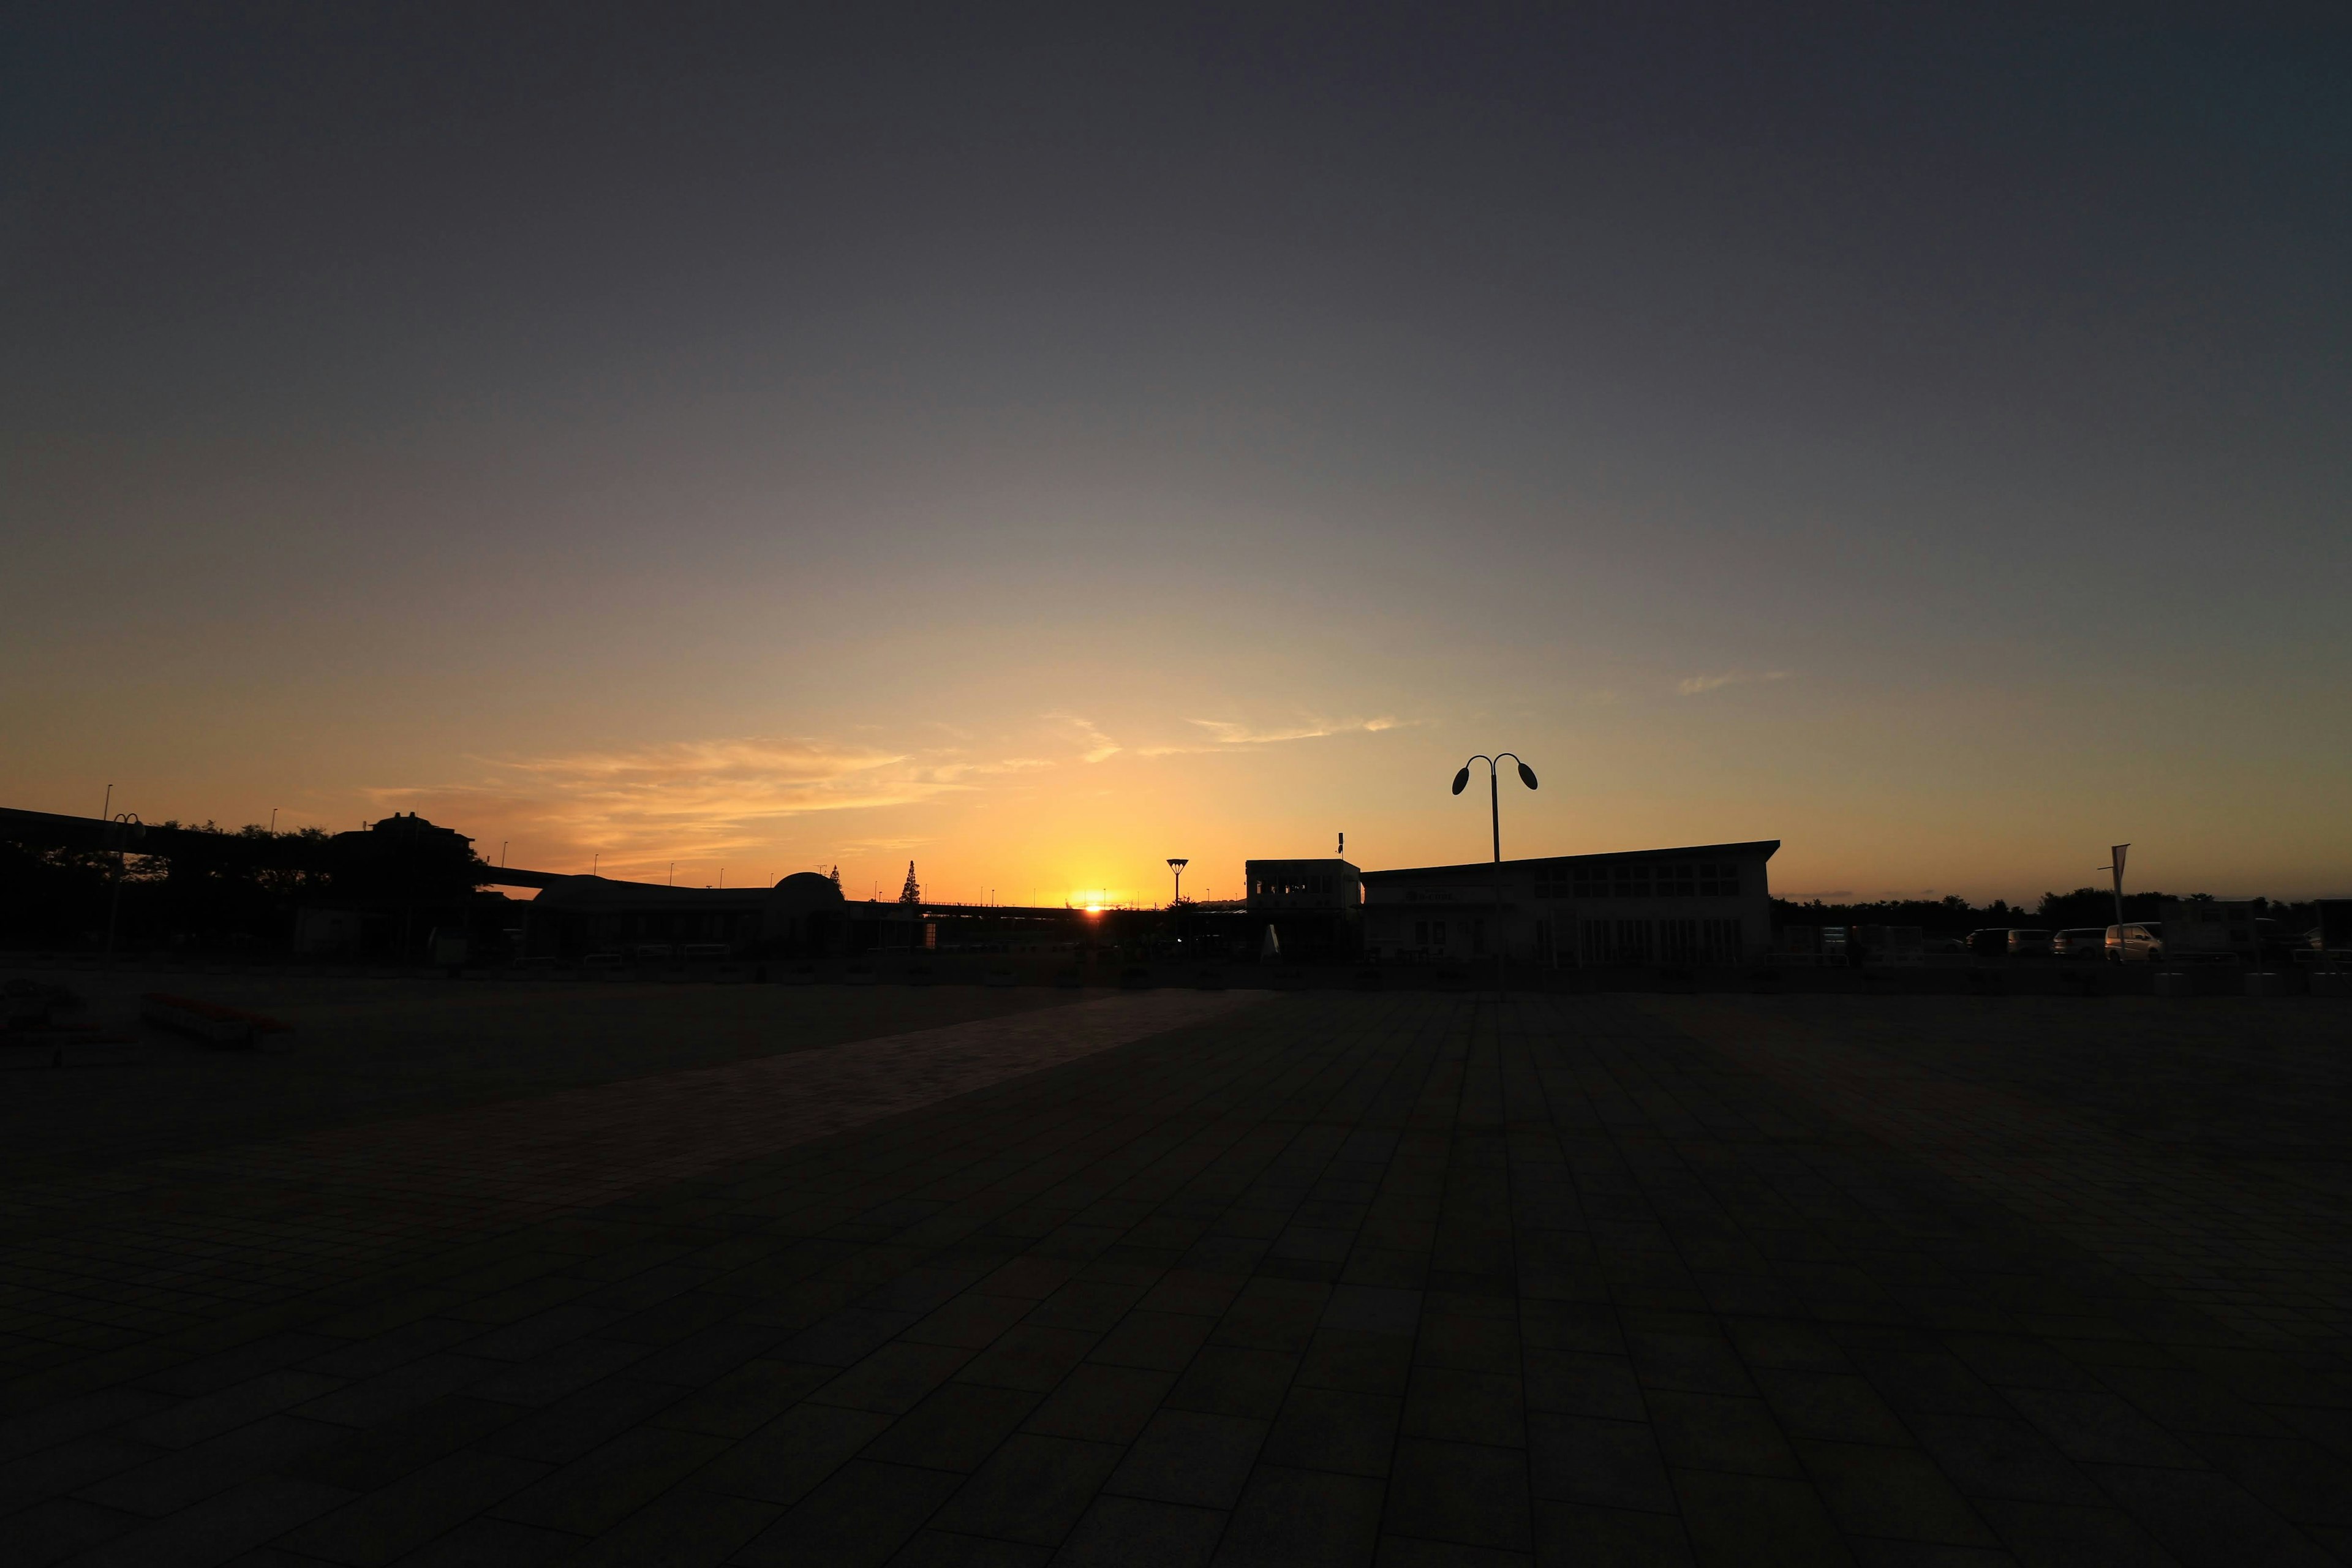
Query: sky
x,y
718,442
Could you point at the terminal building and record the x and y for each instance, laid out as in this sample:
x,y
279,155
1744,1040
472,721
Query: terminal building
x,y
1327,886
803,914
1704,905
1315,907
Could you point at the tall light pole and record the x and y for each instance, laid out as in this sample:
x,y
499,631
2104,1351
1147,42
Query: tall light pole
x,y
120,829
2117,866
273,819
1494,815
1177,863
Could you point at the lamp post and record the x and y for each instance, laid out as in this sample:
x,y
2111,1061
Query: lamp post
x,y
120,830
1494,815
1177,863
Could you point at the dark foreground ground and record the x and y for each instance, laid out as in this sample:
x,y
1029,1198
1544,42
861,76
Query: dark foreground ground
x,y
814,1277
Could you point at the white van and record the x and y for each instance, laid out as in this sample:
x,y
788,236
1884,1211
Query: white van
x,y
2141,942
2080,941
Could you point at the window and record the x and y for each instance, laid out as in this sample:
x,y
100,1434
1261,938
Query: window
x,y
1718,880
1551,881
1678,941
1592,881
1629,879
1677,878
1420,933
1719,942
1437,933
1615,942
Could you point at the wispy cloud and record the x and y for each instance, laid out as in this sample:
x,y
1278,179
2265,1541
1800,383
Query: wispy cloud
x,y
685,800
1229,733
1092,745
1698,685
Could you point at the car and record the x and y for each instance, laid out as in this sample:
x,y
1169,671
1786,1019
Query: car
x,y
2137,941
2080,941
1988,942
2029,941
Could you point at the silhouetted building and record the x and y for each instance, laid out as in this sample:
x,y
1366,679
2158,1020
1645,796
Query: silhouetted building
x,y
1314,905
1276,887
1706,905
804,914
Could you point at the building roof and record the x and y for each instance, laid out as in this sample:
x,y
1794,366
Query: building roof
x,y
611,893
1759,847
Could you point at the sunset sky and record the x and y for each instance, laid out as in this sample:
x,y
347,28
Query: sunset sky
x,y
1036,444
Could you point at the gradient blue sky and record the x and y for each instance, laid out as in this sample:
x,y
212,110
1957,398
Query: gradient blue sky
x,y
1039,444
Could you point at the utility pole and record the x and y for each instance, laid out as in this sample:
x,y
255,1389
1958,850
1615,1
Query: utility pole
x,y
2116,864
118,829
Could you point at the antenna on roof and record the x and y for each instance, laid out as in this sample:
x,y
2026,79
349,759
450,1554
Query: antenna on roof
x,y
1343,847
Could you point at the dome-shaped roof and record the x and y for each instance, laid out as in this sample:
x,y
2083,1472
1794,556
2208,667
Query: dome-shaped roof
x,y
807,890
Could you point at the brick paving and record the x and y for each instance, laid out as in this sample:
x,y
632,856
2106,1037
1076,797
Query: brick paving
x,y
1309,1279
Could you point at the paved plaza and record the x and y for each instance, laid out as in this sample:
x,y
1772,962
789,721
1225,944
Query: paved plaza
x,y
473,1274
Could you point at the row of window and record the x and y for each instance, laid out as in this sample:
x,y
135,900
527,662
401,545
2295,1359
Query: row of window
x,y
1431,934
1641,879
1304,886
1640,943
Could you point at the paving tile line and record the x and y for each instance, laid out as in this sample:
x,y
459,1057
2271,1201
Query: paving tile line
x,y
1116,1173
373,1287
584,1146
2269,1514
1118,1153
1682,1086
389,1189
1258,1178
2181,1221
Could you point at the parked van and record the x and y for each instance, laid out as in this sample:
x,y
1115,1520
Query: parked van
x,y
2028,943
2080,941
2140,943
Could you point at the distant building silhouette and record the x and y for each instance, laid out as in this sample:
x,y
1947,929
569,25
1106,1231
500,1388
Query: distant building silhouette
x,y
1315,903
1708,904
1326,884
